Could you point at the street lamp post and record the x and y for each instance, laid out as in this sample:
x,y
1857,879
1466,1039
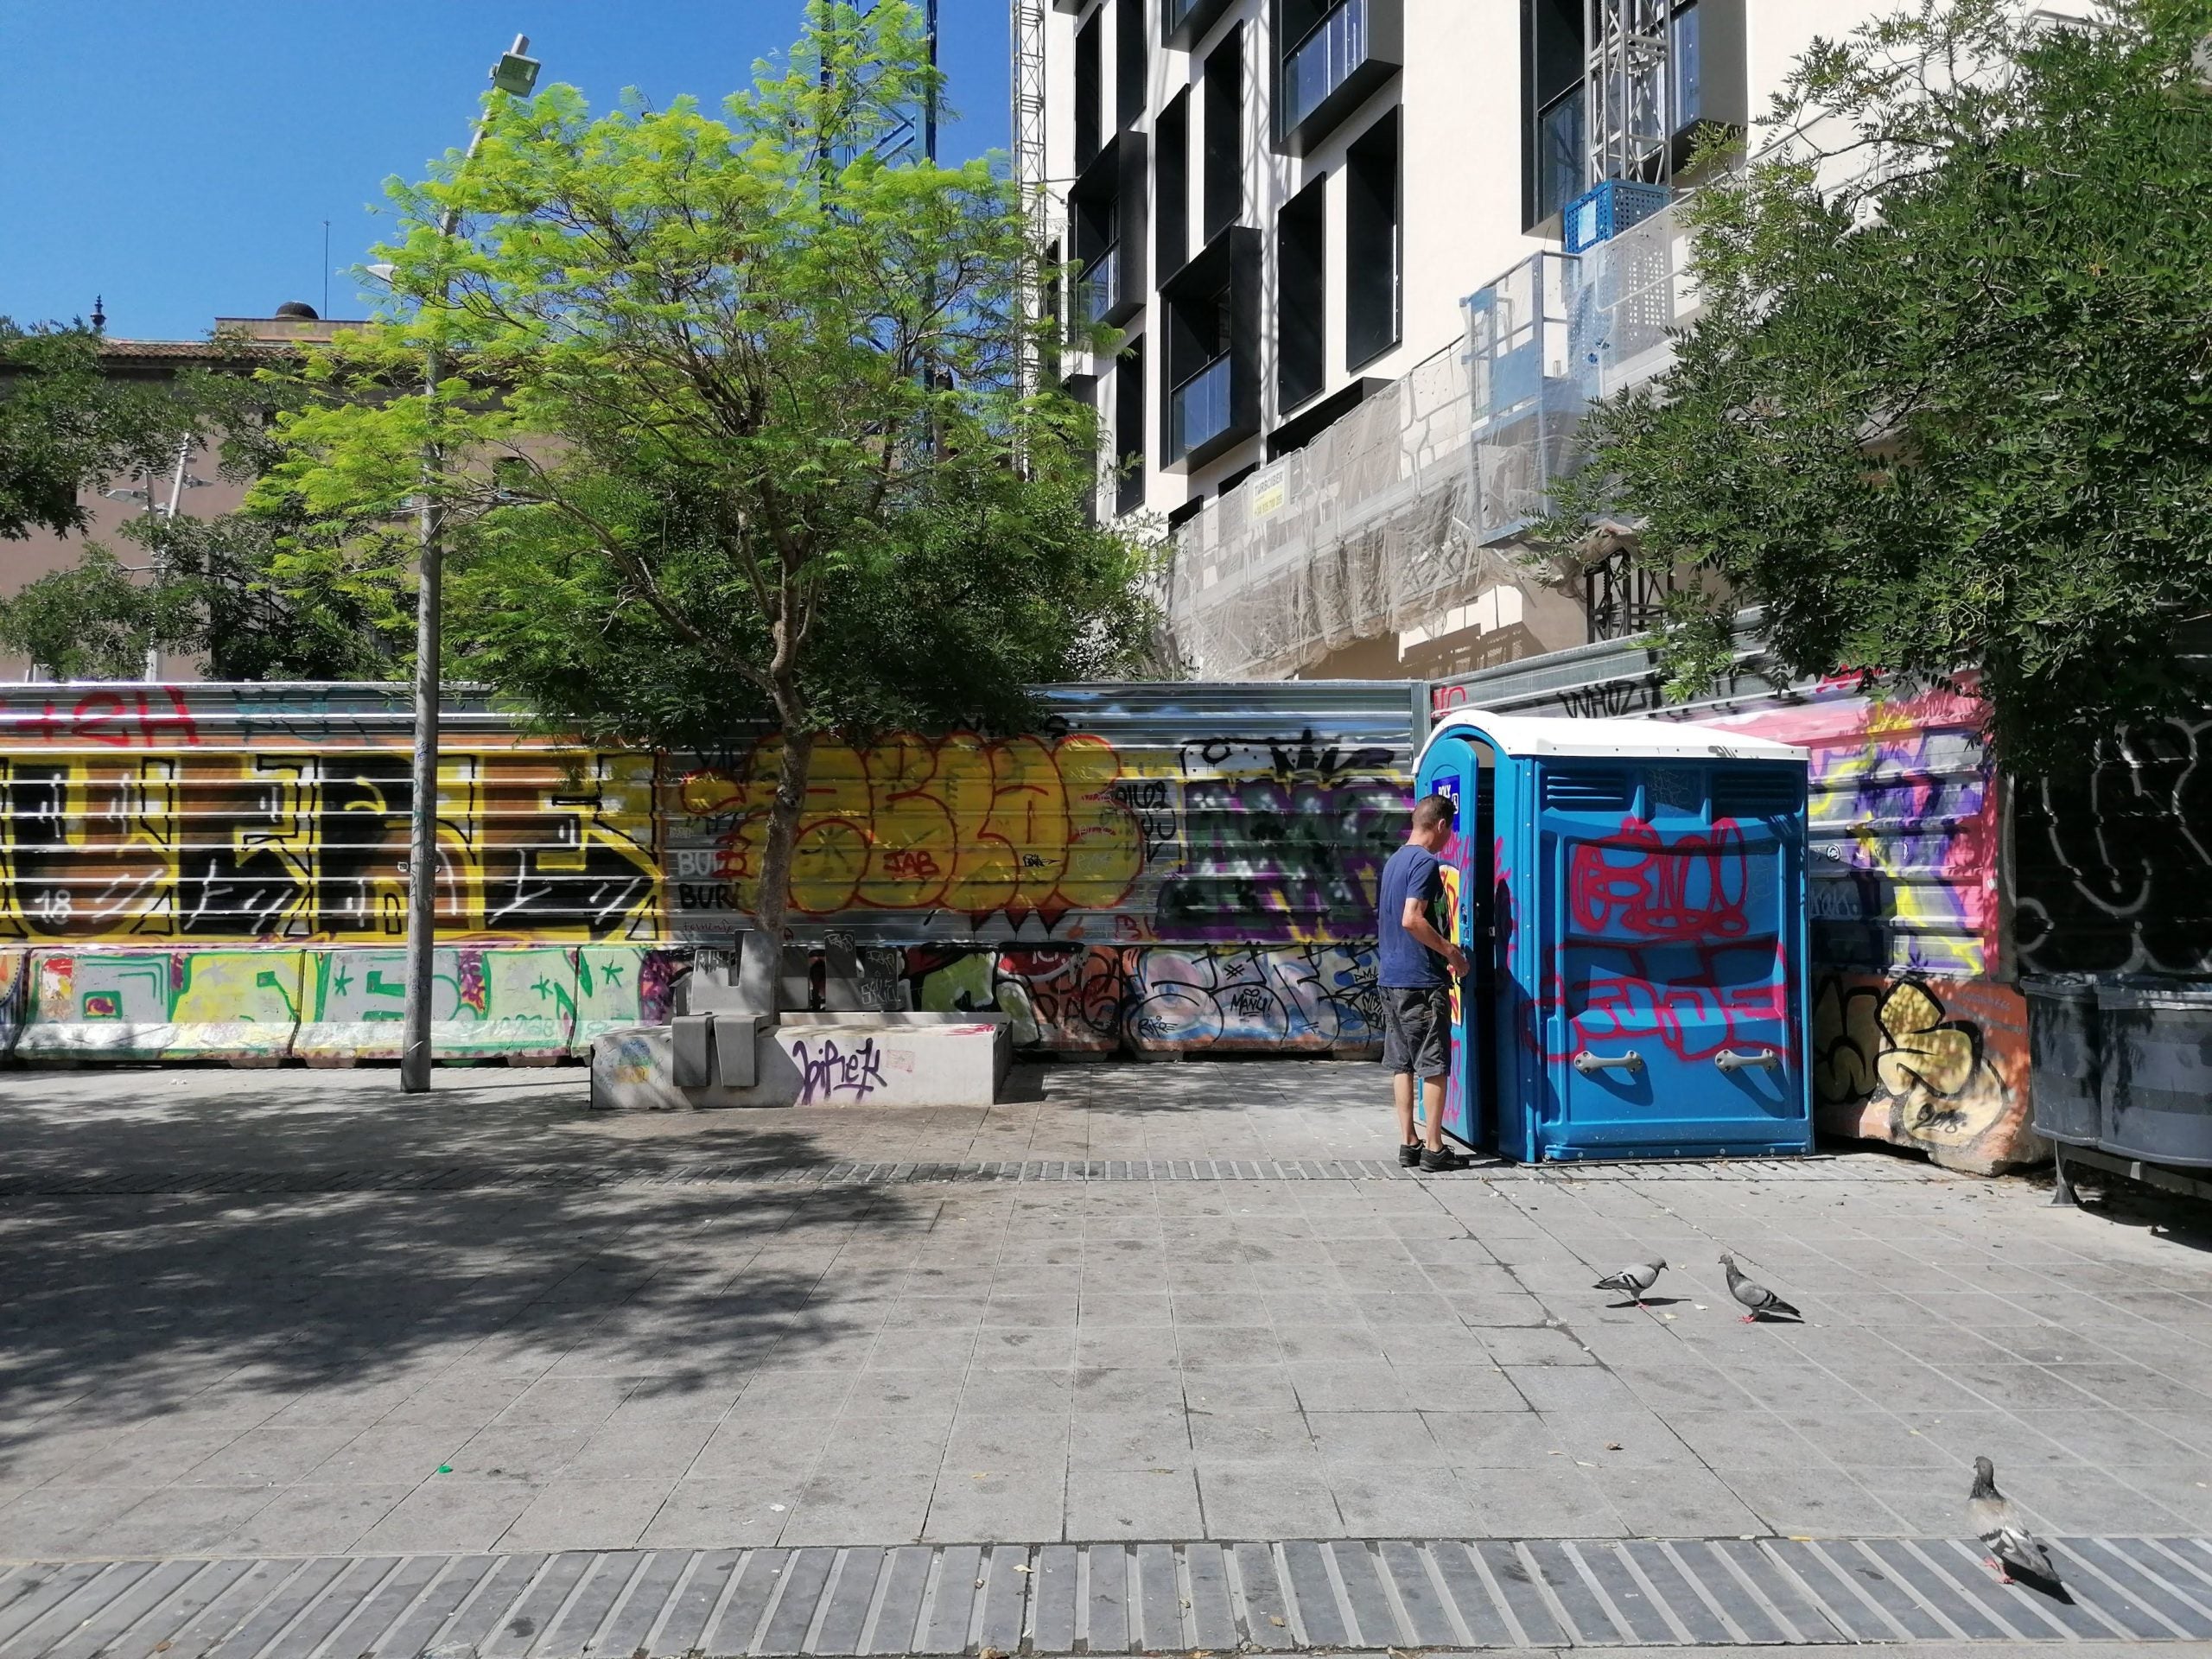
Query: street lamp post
x,y
515,74
158,511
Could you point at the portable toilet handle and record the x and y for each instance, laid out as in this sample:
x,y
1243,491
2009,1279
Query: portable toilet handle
x,y
1587,1063
1728,1060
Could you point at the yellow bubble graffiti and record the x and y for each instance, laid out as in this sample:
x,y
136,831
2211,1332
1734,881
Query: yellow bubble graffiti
x,y
974,825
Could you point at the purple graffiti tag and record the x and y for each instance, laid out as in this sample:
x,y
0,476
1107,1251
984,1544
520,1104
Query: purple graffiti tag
x,y
829,1072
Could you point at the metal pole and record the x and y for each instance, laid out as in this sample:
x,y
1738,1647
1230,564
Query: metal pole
x,y
422,803
176,499
929,103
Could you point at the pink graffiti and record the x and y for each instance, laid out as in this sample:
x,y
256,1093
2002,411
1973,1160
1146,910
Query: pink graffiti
x,y
1692,1016
1694,887
115,720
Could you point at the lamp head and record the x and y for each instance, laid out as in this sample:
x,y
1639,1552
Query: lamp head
x,y
514,73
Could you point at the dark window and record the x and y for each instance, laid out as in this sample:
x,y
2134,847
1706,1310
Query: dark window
x,y
1684,80
1301,296
1371,243
1552,55
1128,428
1318,41
1184,22
1049,355
1084,388
1224,83
1097,226
1171,194
1199,405
1130,51
1208,340
1088,133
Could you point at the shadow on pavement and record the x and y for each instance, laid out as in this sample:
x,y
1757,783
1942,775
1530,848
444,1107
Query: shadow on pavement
x,y
116,1310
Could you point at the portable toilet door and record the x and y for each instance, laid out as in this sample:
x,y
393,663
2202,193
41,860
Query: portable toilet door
x,y
1650,881
1464,769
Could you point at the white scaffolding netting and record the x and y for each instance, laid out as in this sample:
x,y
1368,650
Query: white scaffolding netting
x,y
1410,504
1364,531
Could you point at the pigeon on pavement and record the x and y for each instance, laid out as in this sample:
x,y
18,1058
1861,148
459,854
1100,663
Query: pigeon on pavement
x,y
1633,1279
1755,1297
2001,1527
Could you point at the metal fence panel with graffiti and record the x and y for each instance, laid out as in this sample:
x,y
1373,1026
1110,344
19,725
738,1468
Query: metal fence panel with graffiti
x,y
1156,867
1138,813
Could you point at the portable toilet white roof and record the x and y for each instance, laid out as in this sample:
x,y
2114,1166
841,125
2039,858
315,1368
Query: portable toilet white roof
x,y
1543,736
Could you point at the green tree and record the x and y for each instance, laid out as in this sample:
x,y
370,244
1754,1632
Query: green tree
x,y
1950,405
68,426
734,431
93,621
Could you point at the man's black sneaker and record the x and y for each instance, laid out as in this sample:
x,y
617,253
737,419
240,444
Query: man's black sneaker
x,y
1410,1155
1435,1162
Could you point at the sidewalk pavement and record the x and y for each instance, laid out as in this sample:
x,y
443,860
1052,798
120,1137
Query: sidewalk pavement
x,y
291,1314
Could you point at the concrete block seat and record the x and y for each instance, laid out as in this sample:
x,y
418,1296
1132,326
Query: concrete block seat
x,y
803,1060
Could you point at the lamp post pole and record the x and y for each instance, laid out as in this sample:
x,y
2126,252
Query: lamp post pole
x,y
516,74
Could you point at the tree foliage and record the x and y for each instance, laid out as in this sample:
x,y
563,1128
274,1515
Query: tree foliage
x,y
732,432
66,426
1949,404
93,621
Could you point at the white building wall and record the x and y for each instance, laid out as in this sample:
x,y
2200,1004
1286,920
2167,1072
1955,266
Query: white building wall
x,y
1461,102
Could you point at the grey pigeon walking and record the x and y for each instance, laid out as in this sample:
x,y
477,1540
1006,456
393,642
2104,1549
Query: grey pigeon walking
x,y
1755,1297
2002,1529
1633,1279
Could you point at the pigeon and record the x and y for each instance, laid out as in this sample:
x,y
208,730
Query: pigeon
x,y
1633,1279
2011,1546
1758,1297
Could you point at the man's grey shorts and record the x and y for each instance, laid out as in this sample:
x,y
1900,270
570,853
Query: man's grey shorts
x,y
1416,1030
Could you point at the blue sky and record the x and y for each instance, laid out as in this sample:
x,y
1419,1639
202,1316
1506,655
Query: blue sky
x,y
179,158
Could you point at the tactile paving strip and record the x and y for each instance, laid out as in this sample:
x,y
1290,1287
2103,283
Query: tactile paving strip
x,y
445,1178
1101,1598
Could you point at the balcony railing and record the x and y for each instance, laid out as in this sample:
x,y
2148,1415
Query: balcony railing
x,y
1199,408
1098,290
1317,65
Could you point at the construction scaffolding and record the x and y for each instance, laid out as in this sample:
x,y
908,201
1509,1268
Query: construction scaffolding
x,y
1628,107
1026,18
1553,335
1364,531
1409,506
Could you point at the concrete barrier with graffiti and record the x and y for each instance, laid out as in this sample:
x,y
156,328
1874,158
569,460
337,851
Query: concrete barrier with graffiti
x,y
218,872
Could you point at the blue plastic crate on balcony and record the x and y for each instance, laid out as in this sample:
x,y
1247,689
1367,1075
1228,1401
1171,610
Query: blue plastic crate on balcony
x,y
1602,213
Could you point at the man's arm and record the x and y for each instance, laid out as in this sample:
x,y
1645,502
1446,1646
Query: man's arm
x,y
1416,924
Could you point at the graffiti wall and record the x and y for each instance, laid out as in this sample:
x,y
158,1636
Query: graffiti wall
x,y
2112,868
1913,1042
1923,1060
178,824
220,871
1311,999
330,1005
1063,836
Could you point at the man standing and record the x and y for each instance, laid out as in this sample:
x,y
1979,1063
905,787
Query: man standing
x,y
1414,967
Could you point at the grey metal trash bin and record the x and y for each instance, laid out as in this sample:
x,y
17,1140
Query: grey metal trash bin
x,y
2063,1058
2155,1091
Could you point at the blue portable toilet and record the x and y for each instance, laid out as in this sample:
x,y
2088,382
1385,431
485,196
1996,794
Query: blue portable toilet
x,y
1631,896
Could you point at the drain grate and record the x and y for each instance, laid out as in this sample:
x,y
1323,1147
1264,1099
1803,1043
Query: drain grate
x,y
1117,1597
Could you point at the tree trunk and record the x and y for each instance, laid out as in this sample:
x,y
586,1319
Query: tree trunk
x,y
774,899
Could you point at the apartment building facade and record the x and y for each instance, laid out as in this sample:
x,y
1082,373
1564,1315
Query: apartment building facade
x,y
1369,259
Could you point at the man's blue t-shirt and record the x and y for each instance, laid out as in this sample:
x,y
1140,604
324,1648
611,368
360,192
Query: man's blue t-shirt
x,y
1401,962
